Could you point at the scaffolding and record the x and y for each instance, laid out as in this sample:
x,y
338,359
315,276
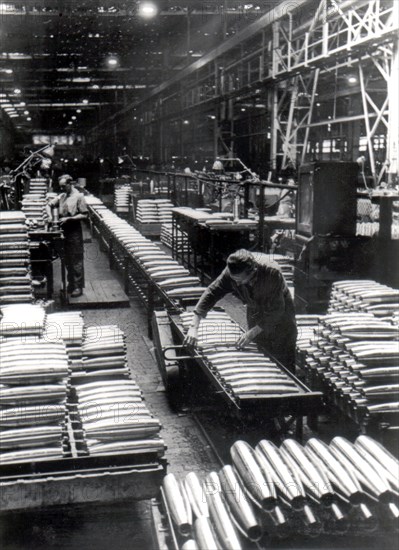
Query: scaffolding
x,y
325,80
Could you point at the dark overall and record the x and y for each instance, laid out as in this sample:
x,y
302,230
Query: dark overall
x,y
280,341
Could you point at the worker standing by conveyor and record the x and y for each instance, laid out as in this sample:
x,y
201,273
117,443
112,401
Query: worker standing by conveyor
x,y
72,210
260,284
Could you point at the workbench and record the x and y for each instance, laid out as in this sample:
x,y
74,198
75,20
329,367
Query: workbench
x,y
209,244
45,247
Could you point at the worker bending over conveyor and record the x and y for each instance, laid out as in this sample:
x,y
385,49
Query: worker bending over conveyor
x,y
259,283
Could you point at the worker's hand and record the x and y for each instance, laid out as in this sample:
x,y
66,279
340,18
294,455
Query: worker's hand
x,y
191,337
64,220
248,337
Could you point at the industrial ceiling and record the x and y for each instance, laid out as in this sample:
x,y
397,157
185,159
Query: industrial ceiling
x,y
66,65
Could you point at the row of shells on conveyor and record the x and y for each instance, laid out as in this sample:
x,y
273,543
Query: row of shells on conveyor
x,y
244,372
175,280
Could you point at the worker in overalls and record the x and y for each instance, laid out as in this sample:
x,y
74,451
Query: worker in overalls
x,y
72,210
259,283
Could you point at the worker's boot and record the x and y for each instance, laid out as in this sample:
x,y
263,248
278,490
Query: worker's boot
x,y
76,293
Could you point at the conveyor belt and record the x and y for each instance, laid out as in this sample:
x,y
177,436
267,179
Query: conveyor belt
x,y
131,253
261,402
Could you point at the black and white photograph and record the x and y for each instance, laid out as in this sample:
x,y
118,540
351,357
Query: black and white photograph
x,y
199,275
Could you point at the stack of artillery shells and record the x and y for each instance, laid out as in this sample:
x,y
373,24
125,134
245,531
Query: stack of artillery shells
x,y
38,186
33,394
114,418
34,207
104,352
164,207
354,356
147,211
306,324
364,296
67,327
269,492
15,279
154,211
21,320
122,197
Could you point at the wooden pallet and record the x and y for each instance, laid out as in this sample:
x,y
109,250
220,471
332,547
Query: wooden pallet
x,y
100,294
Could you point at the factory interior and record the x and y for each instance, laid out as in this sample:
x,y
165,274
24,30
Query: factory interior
x,y
199,274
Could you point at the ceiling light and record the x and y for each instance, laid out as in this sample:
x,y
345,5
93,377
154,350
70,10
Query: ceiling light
x,y
147,10
112,61
17,91
73,117
28,119
70,122
85,101
75,160
352,79
26,112
14,115
78,110
21,104
186,122
8,71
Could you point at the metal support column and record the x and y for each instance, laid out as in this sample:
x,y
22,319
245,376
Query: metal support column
x,y
393,127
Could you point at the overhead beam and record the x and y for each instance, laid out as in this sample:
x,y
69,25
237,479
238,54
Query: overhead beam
x,y
130,13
